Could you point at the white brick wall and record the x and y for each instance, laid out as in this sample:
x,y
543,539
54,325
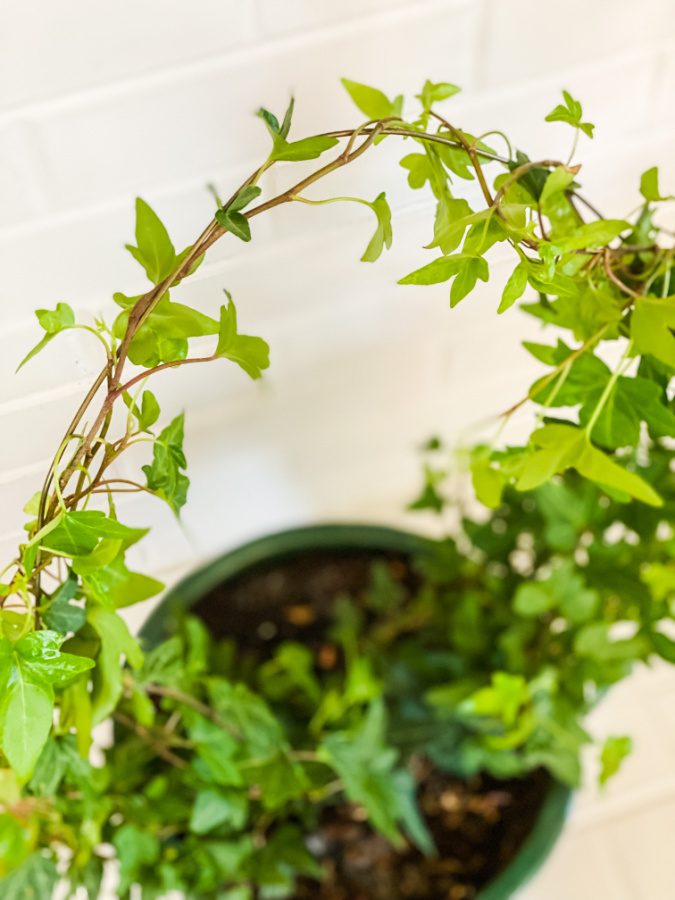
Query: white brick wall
x,y
101,101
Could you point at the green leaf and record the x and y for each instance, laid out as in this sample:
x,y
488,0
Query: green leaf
x,y
652,325
53,321
117,644
595,641
307,148
532,599
164,476
471,270
147,414
115,586
556,183
79,532
42,662
514,287
612,755
560,447
234,222
450,223
435,92
231,217
135,848
61,615
593,235
214,808
35,879
153,250
371,101
571,113
250,353
488,484
442,269
163,337
25,719
649,186
383,234
367,767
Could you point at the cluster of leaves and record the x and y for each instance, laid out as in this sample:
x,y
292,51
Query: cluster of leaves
x,y
487,659
510,686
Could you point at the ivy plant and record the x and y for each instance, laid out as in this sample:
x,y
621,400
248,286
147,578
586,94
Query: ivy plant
x,y
211,774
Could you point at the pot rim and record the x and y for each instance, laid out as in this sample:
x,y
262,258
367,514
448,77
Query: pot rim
x,y
331,536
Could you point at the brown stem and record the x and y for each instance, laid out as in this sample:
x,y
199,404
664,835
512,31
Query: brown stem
x,y
146,735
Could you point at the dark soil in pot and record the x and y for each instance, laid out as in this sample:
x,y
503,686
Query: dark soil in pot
x,y
478,825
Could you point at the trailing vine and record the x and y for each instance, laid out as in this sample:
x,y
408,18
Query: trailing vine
x,y
603,282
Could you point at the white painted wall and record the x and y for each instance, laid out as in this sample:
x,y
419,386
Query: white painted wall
x,y
101,101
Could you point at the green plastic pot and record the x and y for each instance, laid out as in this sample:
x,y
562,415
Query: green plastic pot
x,y
277,547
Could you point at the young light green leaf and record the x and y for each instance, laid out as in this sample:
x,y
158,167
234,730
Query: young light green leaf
x,y
471,270
53,321
439,270
514,287
435,92
649,186
147,414
383,234
248,352
652,325
164,336
153,250
488,483
560,447
571,113
612,755
371,101
306,148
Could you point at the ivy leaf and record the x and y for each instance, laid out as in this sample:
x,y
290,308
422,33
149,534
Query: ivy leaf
x,y
592,235
41,660
147,414
34,879
383,234
248,352
272,122
649,186
439,270
367,767
652,325
306,148
136,848
488,483
471,270
78,533
214,808
514,287
61,615
371,101
115,586
164,336
560,447
450,222
53,321
164,476
231,216
29,670
116,645
435,92
153,250
612,755
571,113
